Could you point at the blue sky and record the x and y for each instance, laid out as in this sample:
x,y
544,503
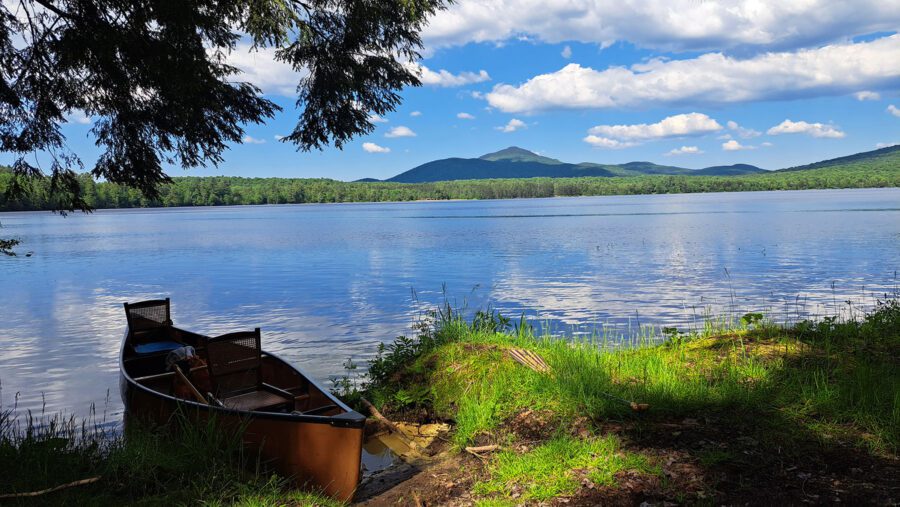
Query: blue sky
x,y
684,83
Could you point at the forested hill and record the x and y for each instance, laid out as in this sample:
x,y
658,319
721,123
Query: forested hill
x,y
515,162
879,168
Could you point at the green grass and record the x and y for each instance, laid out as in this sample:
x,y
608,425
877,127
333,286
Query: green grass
x,y
787,385
184,464
558,466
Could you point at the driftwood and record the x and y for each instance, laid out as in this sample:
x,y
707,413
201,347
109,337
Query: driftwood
x,y
30,494
394,429
482,448
530,359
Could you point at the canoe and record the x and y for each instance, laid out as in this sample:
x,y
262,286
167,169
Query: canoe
x,y
314,439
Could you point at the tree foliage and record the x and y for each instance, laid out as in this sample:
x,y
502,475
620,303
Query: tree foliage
x,y
222,190
154,75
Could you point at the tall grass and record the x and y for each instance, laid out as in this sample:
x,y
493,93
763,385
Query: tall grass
x,y
183,463
813,377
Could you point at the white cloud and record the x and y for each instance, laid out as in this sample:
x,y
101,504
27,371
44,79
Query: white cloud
x,y
374,148
415,113
400,131
279,137
686,150
374,118
679,125
735,146
78,116
742,132
802,127
664,24
465,116
710,79
253,140
605,142
885,145
766,144
894,110
513,125
447,79
260,68
566,52
867,95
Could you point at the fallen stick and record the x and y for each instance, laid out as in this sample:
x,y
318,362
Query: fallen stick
x,y
394,429
483,448
637,407
29,494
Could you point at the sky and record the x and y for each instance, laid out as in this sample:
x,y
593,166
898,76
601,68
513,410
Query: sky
x,y
692,83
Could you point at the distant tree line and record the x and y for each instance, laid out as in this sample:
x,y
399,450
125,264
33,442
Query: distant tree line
x,y
222,190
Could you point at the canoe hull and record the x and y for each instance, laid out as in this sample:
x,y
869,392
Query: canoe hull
x,y
319,452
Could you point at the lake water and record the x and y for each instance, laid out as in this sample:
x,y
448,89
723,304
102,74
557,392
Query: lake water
x,y
328,282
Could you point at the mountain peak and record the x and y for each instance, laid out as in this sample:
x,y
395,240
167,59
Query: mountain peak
x,y
516,154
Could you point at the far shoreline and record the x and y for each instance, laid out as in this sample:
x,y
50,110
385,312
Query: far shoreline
x,y
413,201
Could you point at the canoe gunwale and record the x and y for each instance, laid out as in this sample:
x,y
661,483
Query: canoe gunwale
x,y
349,419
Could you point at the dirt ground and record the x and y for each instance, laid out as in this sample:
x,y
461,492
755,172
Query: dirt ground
x,y
702,462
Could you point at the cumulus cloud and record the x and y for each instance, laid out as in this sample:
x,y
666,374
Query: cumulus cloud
x,y
447,79
415,113
867,95
679,125
735,146
802,127
605,142
465,116
743,132
374,118
400,131
78,116
686,150
253,140
710,79
513,125
894,110
566,52
374,148
664,24
260,68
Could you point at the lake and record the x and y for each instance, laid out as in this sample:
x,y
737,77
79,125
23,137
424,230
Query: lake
x,y
329,282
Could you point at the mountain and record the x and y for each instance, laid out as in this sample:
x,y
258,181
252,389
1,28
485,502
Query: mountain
x,y
876,157
516,154
727,170
515,162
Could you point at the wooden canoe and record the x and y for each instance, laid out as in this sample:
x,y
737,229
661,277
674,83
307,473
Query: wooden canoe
x,y
318,444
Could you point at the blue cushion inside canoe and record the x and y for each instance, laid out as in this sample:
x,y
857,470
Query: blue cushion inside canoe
x,y
150,348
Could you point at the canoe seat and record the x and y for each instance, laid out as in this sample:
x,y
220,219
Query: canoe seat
x,y
257,400
235,372
150,326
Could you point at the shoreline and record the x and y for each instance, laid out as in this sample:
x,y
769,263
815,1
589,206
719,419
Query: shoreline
x,y
417,201
810,409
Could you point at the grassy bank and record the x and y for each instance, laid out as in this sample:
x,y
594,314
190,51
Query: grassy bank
x,y
183,465
753,414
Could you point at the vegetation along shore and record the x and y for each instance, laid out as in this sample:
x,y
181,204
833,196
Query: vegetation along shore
x,y
880,168
810,410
